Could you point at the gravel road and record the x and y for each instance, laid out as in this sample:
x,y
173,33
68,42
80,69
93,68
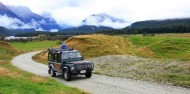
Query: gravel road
x,y
98,84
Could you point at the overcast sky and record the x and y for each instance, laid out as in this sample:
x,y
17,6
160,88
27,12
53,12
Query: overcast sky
x,y
73,11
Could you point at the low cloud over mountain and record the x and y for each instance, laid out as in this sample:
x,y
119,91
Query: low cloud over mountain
x,y
103,19
20,17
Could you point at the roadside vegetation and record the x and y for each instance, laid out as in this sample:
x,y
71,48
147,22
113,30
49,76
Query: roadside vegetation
x,y
16,81
162,58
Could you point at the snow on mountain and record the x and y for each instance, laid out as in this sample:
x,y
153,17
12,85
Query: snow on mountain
x,y
21,17
29,17
103,19
5,11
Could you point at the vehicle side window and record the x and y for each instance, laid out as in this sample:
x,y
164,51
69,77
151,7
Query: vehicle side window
x,y
50,57
58,57
64,56
54,57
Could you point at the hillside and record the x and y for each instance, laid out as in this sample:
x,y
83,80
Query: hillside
x,y
99,45
161,23
154,26
161,26
4,31
94,45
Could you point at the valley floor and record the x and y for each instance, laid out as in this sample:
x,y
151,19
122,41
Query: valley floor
x,y
100,84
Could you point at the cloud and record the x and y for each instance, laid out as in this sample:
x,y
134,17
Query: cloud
x,y
54,30
14,23
71,12
106,22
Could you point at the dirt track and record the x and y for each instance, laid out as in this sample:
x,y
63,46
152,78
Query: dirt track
x,y
98,84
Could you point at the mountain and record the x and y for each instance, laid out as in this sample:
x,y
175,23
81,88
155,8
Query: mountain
x,y
4,31
28,17
161,23
20,18
103,19
180,25
4,10
84,29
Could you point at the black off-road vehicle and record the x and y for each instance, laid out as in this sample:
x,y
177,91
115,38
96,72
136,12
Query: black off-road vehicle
x,y
68,62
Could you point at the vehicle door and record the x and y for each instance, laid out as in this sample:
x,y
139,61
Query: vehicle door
x,y
57,62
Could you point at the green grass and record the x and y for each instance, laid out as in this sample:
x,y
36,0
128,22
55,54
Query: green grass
x,y
34,45
140,41
16,81
163,47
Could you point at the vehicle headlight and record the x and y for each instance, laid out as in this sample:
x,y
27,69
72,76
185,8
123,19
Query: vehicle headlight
x,y
91,65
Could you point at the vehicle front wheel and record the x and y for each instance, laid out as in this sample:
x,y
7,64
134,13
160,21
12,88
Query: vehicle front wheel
x,y
66,75
88,74
52,72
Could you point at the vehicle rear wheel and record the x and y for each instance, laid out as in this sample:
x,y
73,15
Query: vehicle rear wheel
x,y
52,72
88,74
66,75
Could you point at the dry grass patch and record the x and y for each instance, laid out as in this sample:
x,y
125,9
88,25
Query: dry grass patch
x,y
6,72
1,62
41,57
8,46
145,52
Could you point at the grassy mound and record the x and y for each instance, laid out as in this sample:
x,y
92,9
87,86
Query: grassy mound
x,y
41,57
7,50
99,45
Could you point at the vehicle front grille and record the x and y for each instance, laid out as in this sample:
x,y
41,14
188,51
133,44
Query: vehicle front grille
x,y
81,66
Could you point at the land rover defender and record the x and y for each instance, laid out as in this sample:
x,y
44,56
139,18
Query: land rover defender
x,y
68,62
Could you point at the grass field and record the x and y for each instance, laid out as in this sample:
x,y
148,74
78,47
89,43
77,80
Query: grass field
x,y
168,56
15,81
34,45
167,47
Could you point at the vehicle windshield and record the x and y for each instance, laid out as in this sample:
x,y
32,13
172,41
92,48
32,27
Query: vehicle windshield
x,y
71,55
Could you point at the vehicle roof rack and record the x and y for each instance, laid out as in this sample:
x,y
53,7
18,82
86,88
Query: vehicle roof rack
x,y
58,50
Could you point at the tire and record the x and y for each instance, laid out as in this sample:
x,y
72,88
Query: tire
x,y
49,71
52,72
66,75
88,74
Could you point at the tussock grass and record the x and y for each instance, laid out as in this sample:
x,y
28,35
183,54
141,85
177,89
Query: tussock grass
x,y
41,57
99,45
